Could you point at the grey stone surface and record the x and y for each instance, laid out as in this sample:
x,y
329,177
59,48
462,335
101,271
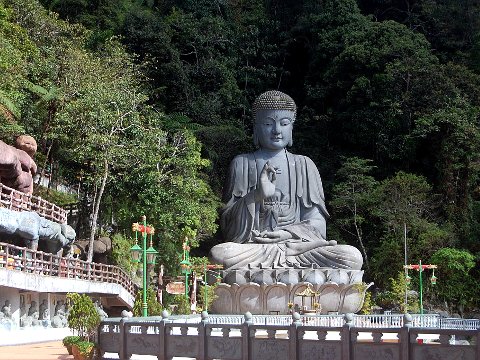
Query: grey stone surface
x,y
291,276
268,298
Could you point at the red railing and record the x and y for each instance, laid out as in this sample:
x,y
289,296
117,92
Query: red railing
x,y
19,201
38,262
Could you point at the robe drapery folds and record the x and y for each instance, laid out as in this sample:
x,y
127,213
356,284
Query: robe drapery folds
x,y
303,216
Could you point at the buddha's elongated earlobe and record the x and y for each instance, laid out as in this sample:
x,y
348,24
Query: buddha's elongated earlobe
x,y
290,143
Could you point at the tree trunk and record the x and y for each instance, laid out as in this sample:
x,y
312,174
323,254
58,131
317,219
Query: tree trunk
x,y
95,213
42,174
360,239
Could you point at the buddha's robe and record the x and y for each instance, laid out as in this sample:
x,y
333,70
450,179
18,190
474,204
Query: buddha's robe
x,y
301,212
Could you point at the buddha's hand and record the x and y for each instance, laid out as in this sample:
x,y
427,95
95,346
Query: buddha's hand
x,y
266,183
271,237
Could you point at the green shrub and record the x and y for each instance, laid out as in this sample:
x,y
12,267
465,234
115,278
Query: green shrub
x,y
210,293
154,308
367,305
183,305
85,347
82,316
70,340
57,197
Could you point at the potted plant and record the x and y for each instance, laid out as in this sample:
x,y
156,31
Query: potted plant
x,y
83,350
68,341
84,319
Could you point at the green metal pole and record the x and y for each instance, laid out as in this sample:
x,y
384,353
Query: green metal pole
x,y
187,270
145,311
421,288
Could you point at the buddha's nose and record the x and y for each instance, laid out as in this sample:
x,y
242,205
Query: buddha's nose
x,y
276,128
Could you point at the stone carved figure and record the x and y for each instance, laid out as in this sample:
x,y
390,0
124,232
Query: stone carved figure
x,y
6,321
60,307
32,310
101,312
275,214
7,310
43,309
17,167
32,227
31,317
44,313
60,316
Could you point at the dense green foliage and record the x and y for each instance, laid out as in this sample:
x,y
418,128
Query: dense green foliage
x,y
456,267
142,104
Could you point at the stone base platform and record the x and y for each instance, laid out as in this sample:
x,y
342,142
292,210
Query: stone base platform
x,y
274,298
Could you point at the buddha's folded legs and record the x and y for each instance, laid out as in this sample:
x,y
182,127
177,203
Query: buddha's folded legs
x,y
237,256
338,257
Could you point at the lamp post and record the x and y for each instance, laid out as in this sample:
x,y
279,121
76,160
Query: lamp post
x,y
147,256
185,264
207,268
421,268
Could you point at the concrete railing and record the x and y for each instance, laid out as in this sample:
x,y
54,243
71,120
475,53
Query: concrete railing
x,y
22,259
19,201
433,321
165,338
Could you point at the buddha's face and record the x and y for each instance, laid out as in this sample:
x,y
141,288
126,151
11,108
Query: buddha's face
x,y
273,128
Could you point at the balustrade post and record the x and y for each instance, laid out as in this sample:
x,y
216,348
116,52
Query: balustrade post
x,y
7,256
477,340
202,337
293,336
10,205
162,334
50,265
404,337
23,261
346,336
246,335
123,340
98,336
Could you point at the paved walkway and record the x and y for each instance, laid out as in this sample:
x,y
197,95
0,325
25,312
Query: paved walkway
x,y
52,350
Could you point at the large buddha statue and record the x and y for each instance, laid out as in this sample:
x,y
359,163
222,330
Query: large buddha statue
x,y
275,212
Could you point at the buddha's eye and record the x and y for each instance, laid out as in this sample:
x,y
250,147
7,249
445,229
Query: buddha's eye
x,y
285,122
